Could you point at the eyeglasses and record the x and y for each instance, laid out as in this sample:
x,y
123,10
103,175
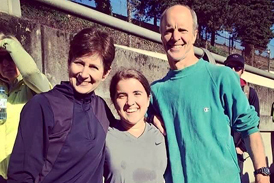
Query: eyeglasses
x,y
236,68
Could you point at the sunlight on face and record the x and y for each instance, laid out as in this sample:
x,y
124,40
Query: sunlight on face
x,y
131,102
86,73
177,34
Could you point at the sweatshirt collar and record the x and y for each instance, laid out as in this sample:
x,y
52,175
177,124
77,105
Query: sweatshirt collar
x,y
175,74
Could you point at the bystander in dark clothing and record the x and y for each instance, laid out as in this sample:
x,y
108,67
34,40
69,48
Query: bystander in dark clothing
x,y
236,62
251,95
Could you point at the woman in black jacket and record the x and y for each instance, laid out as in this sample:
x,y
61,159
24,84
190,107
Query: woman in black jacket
x,y
62,132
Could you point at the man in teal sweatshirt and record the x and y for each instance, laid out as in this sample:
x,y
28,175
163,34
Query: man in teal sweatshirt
x,y
200,103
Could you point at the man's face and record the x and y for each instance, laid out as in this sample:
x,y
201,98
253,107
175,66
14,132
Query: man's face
x,y
8,69
238,68
177,34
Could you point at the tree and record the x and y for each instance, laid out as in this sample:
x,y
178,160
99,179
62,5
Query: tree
x,y
151,9
211,16
104,6
129,10
251,22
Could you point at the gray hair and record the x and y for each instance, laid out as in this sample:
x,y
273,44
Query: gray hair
x,y
193,14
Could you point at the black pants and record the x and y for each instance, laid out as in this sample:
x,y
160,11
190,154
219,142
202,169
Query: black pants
x,y
2,180
244,177
240,163
272,178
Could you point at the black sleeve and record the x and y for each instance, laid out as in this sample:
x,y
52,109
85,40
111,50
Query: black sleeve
x,y
151,112
254,100
30,147
238,141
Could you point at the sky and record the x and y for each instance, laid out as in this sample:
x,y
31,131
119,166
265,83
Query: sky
x,y
120,7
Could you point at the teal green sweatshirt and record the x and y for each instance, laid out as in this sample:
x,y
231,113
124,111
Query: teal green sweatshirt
x,y
199,105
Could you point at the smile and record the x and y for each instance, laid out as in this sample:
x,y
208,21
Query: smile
x,y
175,47
83,83
131,110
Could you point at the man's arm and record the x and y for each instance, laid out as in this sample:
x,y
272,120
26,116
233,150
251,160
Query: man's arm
x,y
32,76
244,119
255,148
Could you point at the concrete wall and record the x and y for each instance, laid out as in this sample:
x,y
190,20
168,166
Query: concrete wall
x,y
49,48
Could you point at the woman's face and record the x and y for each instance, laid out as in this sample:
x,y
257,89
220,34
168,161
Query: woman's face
x,y
86,73
131,101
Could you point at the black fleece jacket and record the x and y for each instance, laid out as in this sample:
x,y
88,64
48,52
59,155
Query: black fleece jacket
x,y
61,138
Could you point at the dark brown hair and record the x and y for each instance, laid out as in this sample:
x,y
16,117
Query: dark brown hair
x,y
92,41
127,74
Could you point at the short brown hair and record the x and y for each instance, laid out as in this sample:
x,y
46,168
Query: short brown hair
x,y
92,41
127,74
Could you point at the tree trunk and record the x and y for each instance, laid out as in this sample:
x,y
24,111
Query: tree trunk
x,y
129,9
155,20
213,36
200,33
104,6
249,54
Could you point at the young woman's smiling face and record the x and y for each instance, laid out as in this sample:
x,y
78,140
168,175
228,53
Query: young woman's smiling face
x,y
131,102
